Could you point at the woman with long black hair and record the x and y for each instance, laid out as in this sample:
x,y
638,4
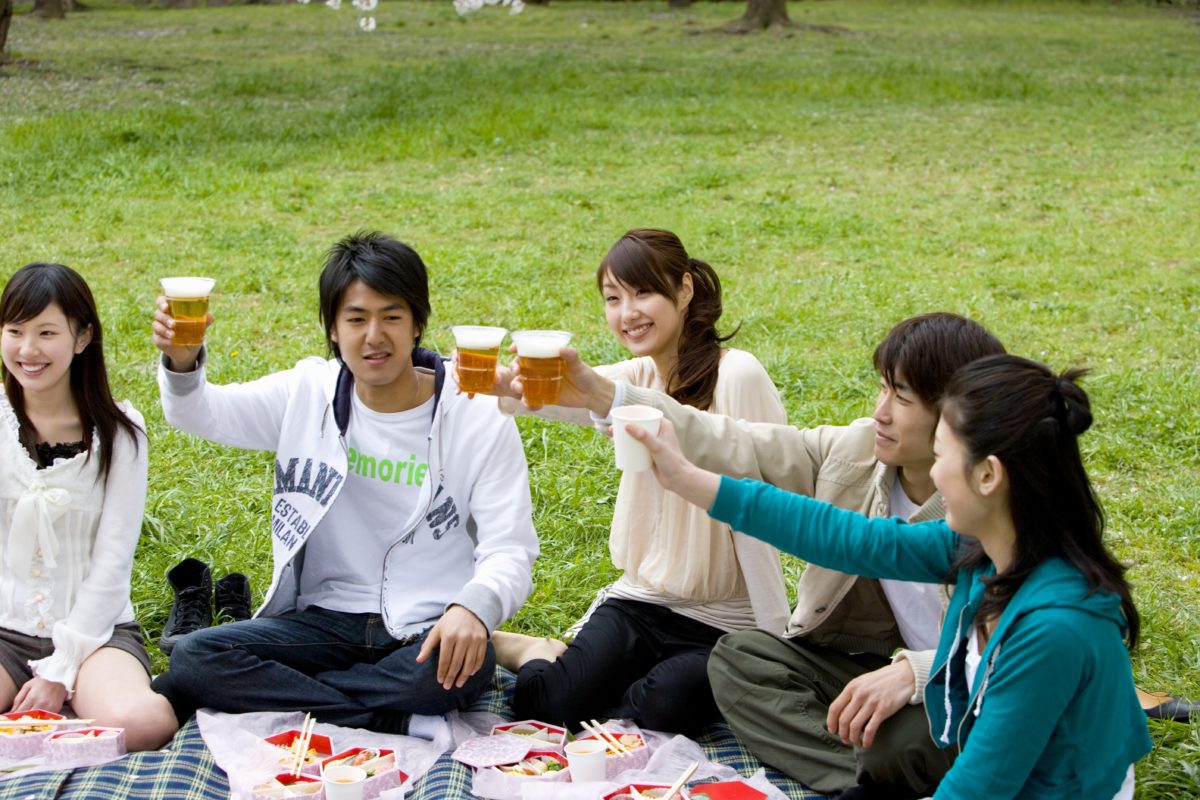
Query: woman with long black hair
x,y
1032,679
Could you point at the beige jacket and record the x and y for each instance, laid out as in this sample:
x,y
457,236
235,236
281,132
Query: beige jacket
x,y
832,463
672,553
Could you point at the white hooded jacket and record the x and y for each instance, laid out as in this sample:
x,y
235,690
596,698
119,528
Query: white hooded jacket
x,y
470,540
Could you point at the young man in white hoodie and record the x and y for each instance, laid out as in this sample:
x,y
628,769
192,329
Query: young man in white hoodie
x,y
401,522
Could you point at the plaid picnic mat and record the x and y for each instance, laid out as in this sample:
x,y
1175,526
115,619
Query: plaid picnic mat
x,y
186,770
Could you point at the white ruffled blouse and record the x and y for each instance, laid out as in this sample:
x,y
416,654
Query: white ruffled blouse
x,y
67,540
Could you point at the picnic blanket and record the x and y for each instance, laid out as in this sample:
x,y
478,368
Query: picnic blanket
x,y
185,770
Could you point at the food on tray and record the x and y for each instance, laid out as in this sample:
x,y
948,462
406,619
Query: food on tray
x,y
534,766
372,760
32,727
638,791
311,756
87,736
528,730
631,741
289,742
24,731
289,786
532,729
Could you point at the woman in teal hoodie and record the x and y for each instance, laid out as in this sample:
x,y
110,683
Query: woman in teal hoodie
x,y
1032,680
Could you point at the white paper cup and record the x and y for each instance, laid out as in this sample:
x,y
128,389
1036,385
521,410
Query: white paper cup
x,y
343,782
632,455
585,759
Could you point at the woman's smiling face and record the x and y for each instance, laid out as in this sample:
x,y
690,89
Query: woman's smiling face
x,y
38,352
646,322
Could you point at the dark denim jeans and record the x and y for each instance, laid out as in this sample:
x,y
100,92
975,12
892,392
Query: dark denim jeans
x,y
345,669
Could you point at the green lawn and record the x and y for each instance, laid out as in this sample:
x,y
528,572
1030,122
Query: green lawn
x,y
1032,164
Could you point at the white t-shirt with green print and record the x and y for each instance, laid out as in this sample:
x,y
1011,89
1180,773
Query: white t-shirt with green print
x,y
344,557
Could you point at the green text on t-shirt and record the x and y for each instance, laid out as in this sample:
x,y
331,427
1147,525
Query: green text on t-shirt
x,y
410,472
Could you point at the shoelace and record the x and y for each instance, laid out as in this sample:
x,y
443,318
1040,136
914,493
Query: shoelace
x,y
193,605
234,602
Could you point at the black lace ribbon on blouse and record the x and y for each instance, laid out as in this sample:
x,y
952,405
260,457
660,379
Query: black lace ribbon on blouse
x,y
46,453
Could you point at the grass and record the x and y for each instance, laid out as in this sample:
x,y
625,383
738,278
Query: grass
x,y
1031,164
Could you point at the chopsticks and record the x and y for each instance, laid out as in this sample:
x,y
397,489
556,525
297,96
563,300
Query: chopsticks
x,y
601,733
300,743
599,736
12,723
677,785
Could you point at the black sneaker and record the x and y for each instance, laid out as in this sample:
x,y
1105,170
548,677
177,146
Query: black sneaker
x,y
192,610
233,597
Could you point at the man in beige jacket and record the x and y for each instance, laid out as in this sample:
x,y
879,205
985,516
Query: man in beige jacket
x,y
849,670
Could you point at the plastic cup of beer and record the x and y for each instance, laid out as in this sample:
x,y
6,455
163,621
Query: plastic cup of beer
x,y
187,299
478,350
632,455
542,368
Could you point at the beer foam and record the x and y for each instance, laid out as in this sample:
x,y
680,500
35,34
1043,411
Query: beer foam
x,y
478,337
187,287
540,344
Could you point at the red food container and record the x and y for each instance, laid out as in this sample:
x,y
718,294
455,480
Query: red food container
x,y
616,763
380,765
646,790
728,790
23,742
83,744
288,785
544,735
322,746
543,755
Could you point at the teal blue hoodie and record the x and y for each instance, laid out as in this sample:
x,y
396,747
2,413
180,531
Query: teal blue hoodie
x,y
1052,712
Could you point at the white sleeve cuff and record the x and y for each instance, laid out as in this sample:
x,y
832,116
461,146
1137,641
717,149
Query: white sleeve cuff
x,y
604,423
921,662
71,649
618,398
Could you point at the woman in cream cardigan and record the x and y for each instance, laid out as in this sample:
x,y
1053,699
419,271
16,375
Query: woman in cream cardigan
x,y
642,650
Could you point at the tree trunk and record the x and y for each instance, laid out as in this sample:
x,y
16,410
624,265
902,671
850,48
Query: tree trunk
x,y
6,11
761,14
49,9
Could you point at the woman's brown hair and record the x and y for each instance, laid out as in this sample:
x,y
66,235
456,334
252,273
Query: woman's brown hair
x,y
655,260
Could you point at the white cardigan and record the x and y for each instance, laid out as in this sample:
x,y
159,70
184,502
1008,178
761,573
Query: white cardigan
x,y
67,540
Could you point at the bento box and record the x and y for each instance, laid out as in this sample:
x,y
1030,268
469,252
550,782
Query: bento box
x,y
319,747
27,740
545,765
84,744
544,735
637,791
727,790
380,766
616,763
288,785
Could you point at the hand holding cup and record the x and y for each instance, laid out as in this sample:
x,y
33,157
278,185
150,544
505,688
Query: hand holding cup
x,y
672,469
582,386
476,352
180,323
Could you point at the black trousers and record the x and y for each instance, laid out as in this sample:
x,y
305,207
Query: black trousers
x,y
631,660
